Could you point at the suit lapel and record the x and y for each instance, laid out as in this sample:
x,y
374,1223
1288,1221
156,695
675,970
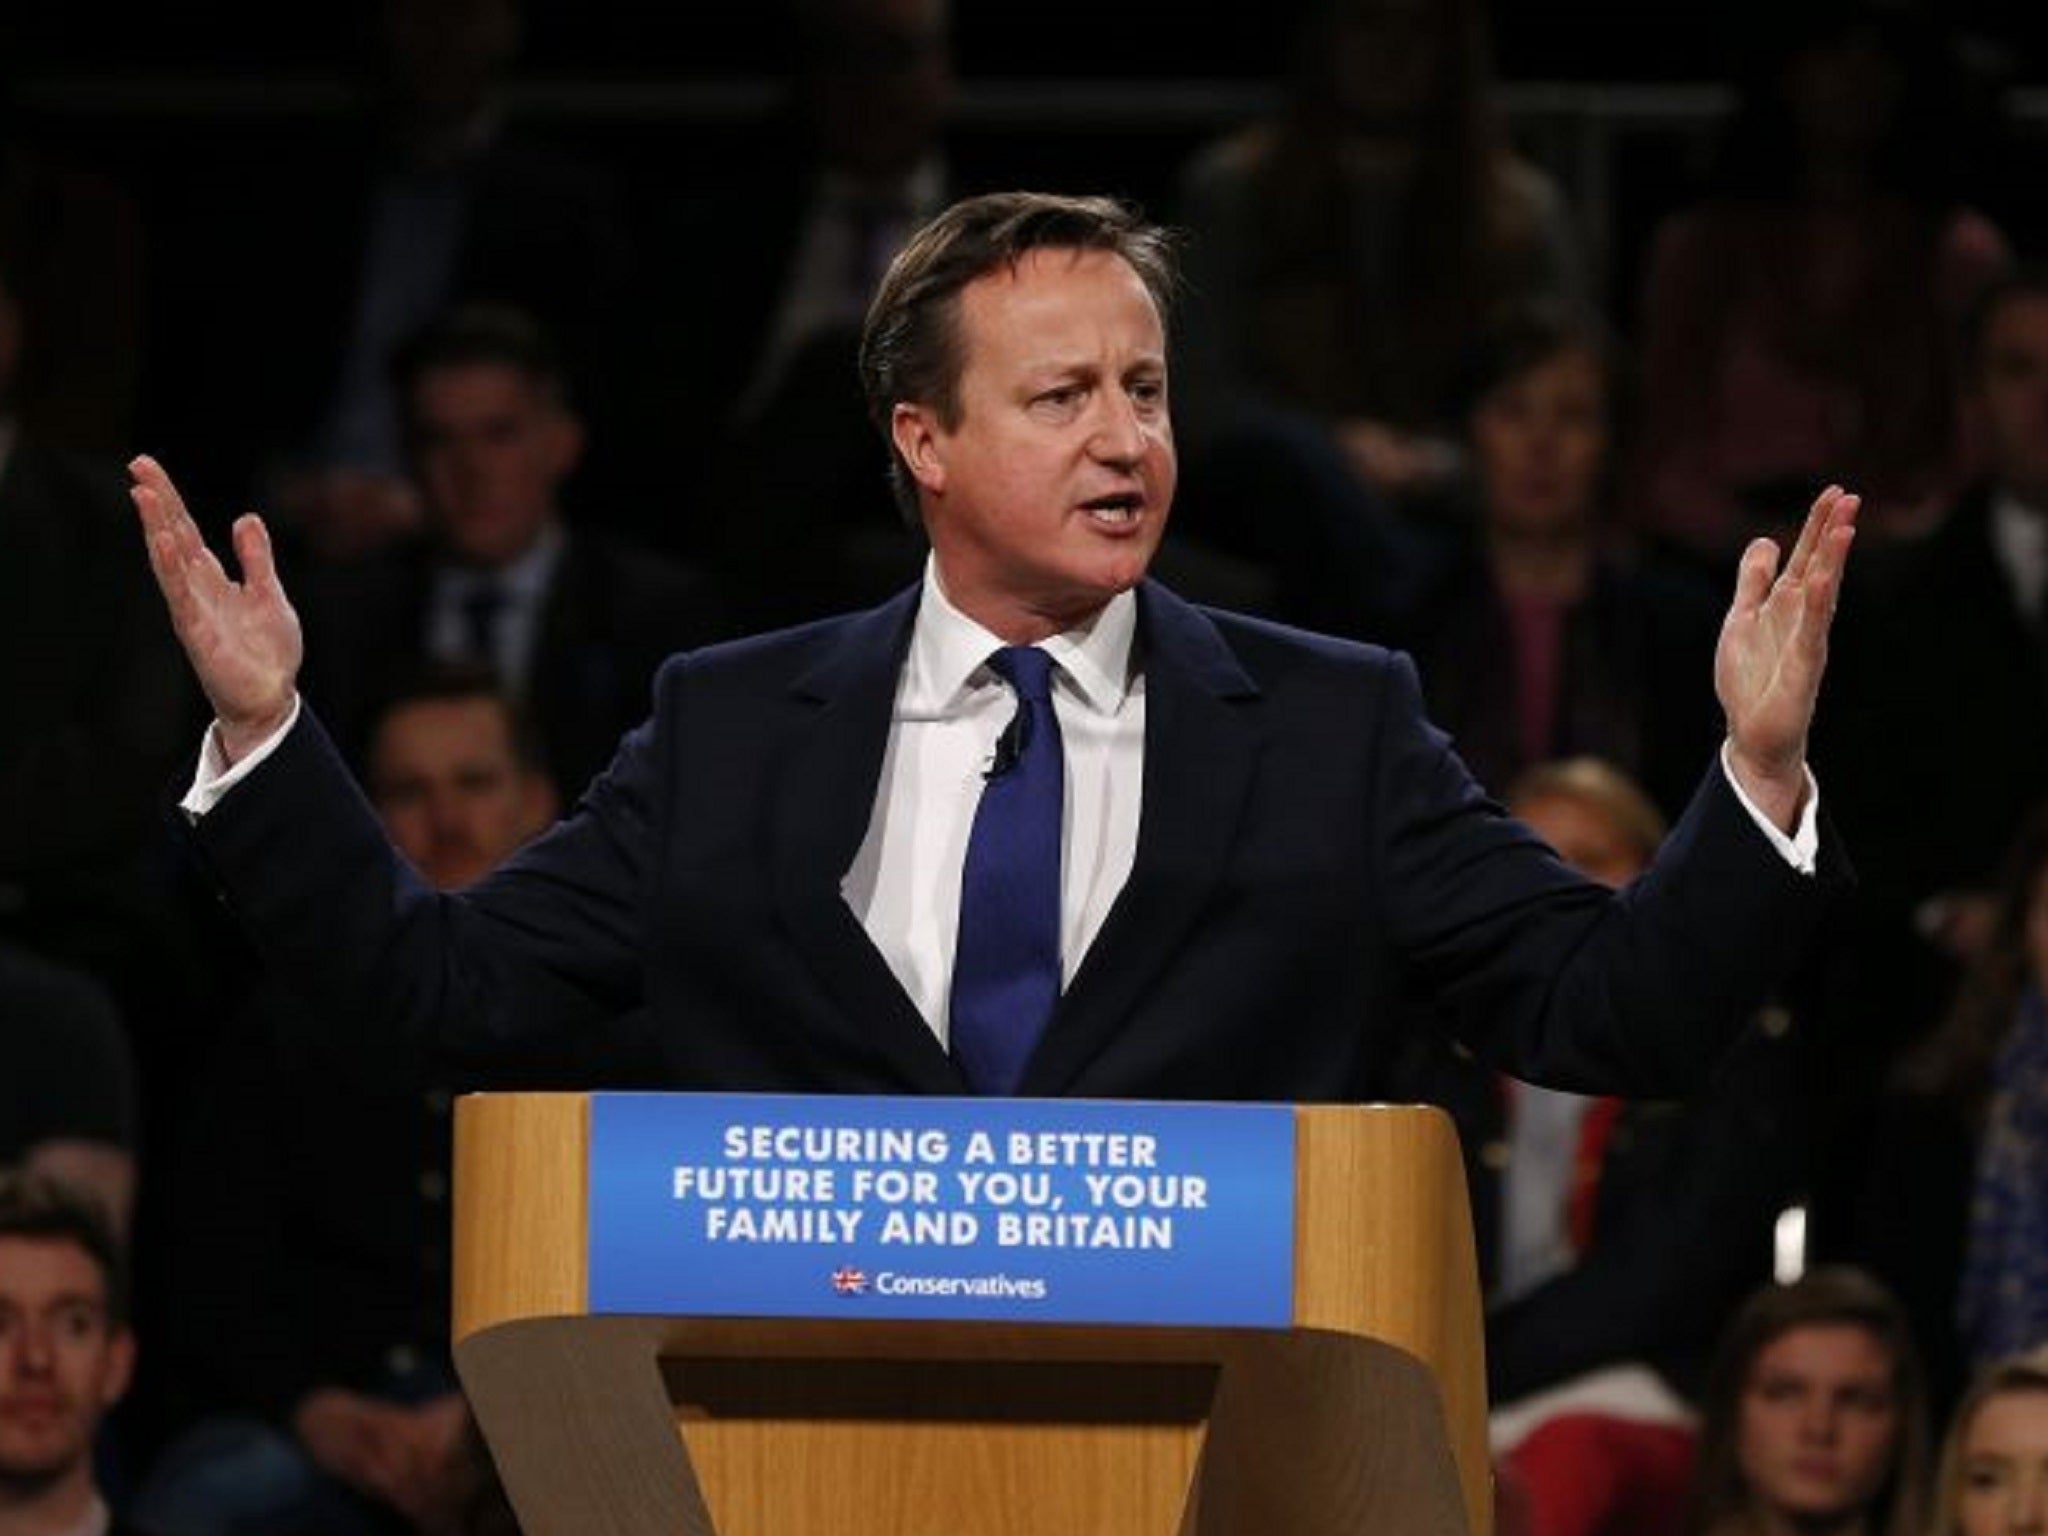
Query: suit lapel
x,y
833,767
1201,744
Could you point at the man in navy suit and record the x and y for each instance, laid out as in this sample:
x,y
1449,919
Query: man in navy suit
x,y
1267,853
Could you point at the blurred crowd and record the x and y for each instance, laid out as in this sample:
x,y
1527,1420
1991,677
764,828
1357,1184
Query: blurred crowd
x,y
526,420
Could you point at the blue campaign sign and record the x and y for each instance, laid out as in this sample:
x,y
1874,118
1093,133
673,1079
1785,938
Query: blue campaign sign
x,y
1070,1211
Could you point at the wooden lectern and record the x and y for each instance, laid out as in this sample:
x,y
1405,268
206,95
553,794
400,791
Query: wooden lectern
x,y
1367,1415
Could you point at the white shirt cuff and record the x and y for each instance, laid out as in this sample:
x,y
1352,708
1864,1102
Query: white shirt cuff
x,y
1802,849
214,776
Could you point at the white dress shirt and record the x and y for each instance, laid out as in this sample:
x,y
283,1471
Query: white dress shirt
x,y
2019,538
523,592
904,884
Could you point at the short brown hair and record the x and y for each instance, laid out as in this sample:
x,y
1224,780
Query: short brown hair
x,y
463,681
44,1209
910,345
481,335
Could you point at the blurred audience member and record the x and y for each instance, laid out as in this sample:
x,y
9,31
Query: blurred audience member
x,y
1969,601
1344,252
1544,636
431,198
72,244
872,94
66,1353
96,708
311,1267
574,622
771,308
1614,1238
67,1097
1955,1211
1799,323
1814,1418
1994,1461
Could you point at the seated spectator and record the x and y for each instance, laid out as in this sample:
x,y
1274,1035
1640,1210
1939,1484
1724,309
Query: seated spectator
x,y
66,1353
1956,1205
431,192
1994,1462
1614,1238
574,622
74,260
97,710
1968,601
807,226
67,1096
1544,635
1813,1420
1799,322
312,1255
1344,252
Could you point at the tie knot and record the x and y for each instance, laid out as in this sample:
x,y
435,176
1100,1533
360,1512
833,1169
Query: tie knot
x,y
1025,668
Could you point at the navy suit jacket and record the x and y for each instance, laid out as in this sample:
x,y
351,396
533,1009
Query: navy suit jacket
x,y
1313,863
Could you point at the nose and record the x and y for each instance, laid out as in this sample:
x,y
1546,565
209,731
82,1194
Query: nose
x,y
447,817
1817,1423
1119,435
31,1348
2029,1511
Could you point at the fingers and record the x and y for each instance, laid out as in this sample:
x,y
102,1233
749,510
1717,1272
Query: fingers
x,y
1753,578
149,476
1810,530
1833,509
187,573
252,549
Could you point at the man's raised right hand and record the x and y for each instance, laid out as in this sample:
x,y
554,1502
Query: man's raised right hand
x,y
242,636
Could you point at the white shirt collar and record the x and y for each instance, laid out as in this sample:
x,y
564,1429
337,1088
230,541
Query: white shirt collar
x,y
948,652
2019,537
525,579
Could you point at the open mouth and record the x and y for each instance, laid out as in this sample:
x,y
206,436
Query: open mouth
x,y
1118,510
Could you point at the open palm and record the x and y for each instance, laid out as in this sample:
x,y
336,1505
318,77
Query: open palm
x,y
1774,647
241,637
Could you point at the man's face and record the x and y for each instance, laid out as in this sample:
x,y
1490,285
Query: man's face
x,y
451,791
1050,493
2012,395
63,1361
1818,1422
491,450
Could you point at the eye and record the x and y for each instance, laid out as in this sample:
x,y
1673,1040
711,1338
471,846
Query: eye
x,y
78,1322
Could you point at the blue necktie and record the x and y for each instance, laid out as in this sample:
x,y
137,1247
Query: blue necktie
x,y
1006,969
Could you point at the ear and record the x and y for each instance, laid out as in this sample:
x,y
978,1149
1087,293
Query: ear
x,y
539,803
120,1366
565,443
920,441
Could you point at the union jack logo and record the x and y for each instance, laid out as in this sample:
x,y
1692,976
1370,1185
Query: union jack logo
x,y
848,1281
